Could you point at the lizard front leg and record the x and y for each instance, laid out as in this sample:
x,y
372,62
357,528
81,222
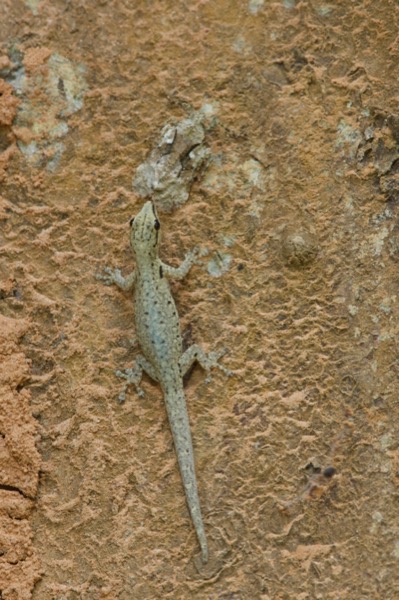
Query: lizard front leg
x,y
115,276
188,262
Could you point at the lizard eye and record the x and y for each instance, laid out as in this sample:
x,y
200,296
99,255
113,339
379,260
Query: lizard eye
x,y
157,224
131,221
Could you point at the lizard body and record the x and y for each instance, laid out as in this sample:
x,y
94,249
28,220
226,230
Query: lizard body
x,y
158,333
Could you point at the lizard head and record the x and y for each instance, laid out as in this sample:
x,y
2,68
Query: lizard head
x,y
144,230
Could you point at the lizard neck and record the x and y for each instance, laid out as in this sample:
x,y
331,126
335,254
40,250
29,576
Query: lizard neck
x,y
147,260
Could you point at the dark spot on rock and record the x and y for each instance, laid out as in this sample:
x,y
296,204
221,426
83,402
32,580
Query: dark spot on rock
x,y
329,472
61,87
5,137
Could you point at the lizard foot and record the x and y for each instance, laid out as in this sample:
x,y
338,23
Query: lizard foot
x,y
213,358
207,361
110,276
133,377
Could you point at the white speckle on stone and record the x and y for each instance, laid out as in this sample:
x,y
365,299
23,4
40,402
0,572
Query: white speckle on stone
x,y
219,264
377,520
239,44
254,6
209,109
385,441
29,150
253,171
348,200
324,11
385,306
378,241
395,552
58,150
33,5
229,241
348,139
169,135
353,310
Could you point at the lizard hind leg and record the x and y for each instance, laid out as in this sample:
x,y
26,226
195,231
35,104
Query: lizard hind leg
x,y
134,374
207,361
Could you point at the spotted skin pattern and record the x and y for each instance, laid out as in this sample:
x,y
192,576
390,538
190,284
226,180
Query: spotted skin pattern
x,y
158,333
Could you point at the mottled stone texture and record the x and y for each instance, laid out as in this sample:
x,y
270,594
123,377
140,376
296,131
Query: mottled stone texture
x,y
292,189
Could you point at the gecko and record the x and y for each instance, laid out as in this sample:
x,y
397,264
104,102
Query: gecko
x,y
158,333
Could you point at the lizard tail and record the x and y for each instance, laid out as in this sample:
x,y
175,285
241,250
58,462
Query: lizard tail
x,y
180,426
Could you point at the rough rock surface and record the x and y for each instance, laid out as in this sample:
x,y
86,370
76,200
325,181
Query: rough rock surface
x,y
297,206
